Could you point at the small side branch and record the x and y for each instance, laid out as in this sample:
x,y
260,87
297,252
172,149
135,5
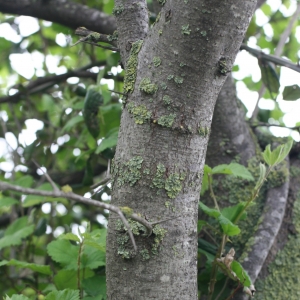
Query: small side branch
x,y
276,60
74,197
92,37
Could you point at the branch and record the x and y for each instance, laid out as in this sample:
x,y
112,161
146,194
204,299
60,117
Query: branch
x,y
96,37
74,197
67,13
268,229
276,60
48,81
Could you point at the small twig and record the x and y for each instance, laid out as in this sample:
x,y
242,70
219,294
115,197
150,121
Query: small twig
x,y
212,193
55,188
71,196
118,92
223,289
276,60
257,124
95,36
85,40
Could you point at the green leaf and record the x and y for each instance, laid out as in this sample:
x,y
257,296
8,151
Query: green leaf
x,y
232,212
209,211
291,92
92,101
8,201
71,123
16,297
228,227
207,170
67,279
66,294
234,169
275,157
41,227
269,76
200,225
22,264
63,252
262,175
69,236
25,181
243,276
110,141
95,286
16,232
92,258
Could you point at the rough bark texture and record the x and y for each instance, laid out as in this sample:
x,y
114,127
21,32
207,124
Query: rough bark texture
x,y
64,12
230,134
162,144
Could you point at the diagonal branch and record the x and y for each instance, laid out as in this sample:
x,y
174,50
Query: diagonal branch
x,y
74,197
274,59
67,13
48,81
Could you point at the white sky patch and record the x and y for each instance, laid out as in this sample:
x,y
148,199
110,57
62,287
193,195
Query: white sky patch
x,y
46,208
9,34
248,65
266,104
22,64
261,18
248,97
61,40
275,4
73,80
110,83
11,140
27,135
27,25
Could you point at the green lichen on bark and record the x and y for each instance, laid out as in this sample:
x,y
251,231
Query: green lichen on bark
x,y
159,233
147,87
131,67
145,254
173,185
159,180
282,281
139,112
130,172
203,131
167,100
113,37
156,61
118,9
178,80
161,2
167,120
185,29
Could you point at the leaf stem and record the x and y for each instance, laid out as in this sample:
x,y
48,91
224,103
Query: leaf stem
x,y
212,192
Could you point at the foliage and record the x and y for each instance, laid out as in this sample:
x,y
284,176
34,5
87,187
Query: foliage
x,y
226,224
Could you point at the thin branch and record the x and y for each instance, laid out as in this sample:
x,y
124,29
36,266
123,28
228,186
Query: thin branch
x,y
96,37
55,188
74,197
258,124
276,60
84,40
43,83
278,52
64,12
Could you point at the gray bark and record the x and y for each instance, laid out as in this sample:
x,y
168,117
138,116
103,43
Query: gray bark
x,y
190,40
230,134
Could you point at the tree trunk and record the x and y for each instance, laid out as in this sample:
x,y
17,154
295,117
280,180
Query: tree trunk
x,y
163,137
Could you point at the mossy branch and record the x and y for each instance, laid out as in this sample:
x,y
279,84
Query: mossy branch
x,y
92,37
